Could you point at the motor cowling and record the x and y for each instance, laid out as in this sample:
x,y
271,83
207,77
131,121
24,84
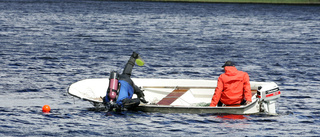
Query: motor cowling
x,y
113,86
268,94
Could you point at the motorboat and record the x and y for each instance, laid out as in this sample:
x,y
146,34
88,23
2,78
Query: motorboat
x,y
181,95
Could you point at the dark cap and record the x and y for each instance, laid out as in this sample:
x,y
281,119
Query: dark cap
x,y
228,63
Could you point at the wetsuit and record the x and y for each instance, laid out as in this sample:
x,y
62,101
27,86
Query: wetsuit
x,y
128,88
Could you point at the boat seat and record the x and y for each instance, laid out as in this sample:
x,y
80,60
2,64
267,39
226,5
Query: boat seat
x,y
253,92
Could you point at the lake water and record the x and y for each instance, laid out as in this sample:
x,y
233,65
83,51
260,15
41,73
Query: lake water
x,y
46,45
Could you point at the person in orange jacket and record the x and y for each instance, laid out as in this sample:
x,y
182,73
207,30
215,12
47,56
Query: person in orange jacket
x,y
233,87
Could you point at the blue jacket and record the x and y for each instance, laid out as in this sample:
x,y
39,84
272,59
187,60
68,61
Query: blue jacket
x,y
126,91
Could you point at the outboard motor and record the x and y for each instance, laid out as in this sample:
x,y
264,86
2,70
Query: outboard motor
x,y
268,94
113,86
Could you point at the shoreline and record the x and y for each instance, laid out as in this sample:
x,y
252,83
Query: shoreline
x,y
293,2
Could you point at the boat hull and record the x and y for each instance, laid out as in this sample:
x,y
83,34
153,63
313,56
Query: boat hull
x,y
170,95
253,108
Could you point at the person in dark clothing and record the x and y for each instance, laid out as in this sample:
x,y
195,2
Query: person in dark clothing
x,y
122,97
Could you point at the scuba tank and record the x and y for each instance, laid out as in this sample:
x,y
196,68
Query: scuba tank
x,y
113,86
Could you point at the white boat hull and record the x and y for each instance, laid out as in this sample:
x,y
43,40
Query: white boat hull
x,y
171,95
253,108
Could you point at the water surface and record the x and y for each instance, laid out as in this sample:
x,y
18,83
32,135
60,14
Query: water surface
x,y
48,45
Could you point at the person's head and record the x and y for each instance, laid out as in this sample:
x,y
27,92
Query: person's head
x,y
228,63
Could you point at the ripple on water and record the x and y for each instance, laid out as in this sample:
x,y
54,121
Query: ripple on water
x,y
46,46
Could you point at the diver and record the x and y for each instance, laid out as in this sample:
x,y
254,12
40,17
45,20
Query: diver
x,y
121,88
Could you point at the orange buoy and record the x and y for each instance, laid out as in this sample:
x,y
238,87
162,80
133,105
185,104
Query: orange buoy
x,y
46,108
